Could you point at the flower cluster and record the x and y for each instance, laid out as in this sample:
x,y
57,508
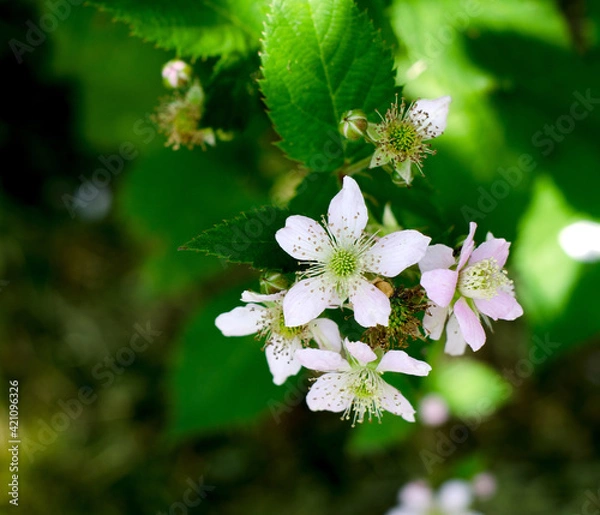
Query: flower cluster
x,y
344,266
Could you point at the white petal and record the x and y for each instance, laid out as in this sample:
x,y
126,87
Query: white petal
x,y
330,392
440,285
306,300
400,361
281,357
455,496
395,252
250,296
322,360
394,402
434,320
430,116
304,239
241,321
455,342
347,215
371,306
326,333
361,352
437,256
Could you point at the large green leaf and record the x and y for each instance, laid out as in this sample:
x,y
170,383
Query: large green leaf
x,y
199,28
321,58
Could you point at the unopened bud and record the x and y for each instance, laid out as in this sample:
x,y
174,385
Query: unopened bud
x,y
353,124
273,282
176,74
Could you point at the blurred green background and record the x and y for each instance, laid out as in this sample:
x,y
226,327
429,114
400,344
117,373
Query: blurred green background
x,y
97,305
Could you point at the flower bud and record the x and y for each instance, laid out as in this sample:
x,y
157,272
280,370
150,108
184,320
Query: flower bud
x,y
273,282
353,125
176,74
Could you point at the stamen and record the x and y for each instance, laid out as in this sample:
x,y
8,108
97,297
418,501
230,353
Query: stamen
x,y
483,280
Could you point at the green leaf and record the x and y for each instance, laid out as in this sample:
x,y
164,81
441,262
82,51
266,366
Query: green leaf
x,y
248,238
193,28
321,58
218,381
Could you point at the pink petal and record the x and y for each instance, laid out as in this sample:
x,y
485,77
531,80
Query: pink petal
x,y
467,247
434,320
416,496
437,256
440,285
347,215
394,402
496,248
455,342
322,360
395,252
330,393
503,306
400,361
470,325
430,116
282,360
326,333
303,239
306,300
371,306
241,321
361,352
250,296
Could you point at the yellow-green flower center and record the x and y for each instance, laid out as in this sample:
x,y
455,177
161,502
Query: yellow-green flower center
x,y
403,137
343,263
289,333
483,279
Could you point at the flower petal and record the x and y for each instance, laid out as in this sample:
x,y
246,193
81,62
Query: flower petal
x,y
400,361
394,402
437,256
440,285
430,116
306,300
322,360
281,357
250,296
434,320
304,239
496,248
503,306
326,333
361,352
347,215
455,496
416,495
404,170
455,342
470,325
330,393
467,246
371,306
241,321
395,252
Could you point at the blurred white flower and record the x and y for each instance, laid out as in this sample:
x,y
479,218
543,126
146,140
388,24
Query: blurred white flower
x,y
433,410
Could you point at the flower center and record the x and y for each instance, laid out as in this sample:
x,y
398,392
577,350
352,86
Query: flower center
x,y
365,387
343,263
289,333
483,279
403,137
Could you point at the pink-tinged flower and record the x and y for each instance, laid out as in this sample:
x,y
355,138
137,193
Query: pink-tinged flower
x,y
282,342
339,255
416,498
401,136
355,384
475,285
176,73
433,410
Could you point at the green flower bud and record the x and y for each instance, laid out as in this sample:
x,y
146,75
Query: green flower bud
x,y
273,282
353,124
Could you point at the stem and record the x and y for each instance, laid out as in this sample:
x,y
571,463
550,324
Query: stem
x,y
353,168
